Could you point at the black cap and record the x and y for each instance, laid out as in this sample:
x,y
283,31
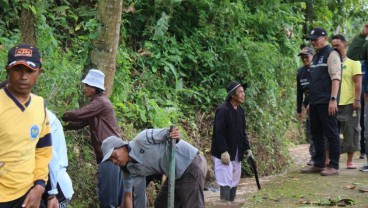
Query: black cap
x,y
316,33
306,51
232,86
24,54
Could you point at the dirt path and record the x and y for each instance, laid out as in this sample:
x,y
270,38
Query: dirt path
x,y
293,189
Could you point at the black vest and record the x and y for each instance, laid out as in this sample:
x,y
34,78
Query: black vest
x,y
320,80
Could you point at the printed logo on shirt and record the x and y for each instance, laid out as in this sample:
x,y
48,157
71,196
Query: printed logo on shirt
x,y
35,130
321,60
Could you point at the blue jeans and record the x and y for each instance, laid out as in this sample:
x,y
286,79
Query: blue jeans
x,y
324,126
110,185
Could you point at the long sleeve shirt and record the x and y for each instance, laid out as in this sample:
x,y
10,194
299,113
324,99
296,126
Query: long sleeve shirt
x,y
150,149
59,161
99,115
302,88
229,132
358,49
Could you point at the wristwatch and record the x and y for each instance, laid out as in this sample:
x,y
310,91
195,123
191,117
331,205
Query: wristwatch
x,y
51,197
333,98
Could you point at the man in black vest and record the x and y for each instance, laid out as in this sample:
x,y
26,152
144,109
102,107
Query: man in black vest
x,y
325,77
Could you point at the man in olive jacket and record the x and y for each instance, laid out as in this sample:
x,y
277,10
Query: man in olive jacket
x,y
358,50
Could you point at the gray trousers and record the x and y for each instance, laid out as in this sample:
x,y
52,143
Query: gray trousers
x,y
139,192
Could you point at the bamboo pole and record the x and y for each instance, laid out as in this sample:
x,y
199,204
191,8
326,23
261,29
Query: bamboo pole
x,y
171,193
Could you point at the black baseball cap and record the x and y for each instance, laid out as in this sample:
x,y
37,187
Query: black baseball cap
x,y
24,54
306,51
316,33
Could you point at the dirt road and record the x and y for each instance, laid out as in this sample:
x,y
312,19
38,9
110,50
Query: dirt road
x,y
293,189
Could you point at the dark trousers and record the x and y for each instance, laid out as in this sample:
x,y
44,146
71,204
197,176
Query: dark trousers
x,y
110,185
17,203
308,135
188,188
362,110
60,196
324,126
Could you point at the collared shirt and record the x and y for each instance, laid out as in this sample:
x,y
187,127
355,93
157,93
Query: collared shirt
x,y
99,115
59,161
150,149
25,144
334,65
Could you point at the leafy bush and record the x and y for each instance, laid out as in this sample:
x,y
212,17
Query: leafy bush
x,y
174,61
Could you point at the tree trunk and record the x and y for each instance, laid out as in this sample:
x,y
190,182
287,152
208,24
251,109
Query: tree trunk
x,y
27,29
104,52
309,17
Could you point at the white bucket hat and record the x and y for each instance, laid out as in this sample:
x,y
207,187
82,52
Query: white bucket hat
x,y
95,78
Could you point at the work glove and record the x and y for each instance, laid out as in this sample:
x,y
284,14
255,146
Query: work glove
x,y
248,153
225,158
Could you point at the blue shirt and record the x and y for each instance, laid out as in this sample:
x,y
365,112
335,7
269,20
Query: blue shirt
x,y
59,161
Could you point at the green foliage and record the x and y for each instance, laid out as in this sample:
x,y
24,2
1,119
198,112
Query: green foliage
x,y
174,61
82,170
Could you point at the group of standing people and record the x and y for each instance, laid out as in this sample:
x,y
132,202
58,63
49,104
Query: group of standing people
x,y
330,87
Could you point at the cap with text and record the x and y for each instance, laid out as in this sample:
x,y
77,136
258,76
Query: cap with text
x,y
24,54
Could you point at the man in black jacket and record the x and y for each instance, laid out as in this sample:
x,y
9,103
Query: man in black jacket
x,y
325,76
230,141
302,97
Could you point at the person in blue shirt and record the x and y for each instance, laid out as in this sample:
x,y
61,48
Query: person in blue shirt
x,y
59,189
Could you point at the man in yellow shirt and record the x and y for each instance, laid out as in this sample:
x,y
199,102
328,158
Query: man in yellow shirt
x,y
25,139
349,103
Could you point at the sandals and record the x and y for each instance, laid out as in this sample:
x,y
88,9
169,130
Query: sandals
x,y
327,163
351,165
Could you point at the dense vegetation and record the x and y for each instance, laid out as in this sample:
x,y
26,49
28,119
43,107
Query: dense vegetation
x,y
175,59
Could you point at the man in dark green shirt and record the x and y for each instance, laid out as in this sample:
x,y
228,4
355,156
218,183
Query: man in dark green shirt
x,y
358,50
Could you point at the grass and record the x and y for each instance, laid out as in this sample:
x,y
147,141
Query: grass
x,y
312,190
